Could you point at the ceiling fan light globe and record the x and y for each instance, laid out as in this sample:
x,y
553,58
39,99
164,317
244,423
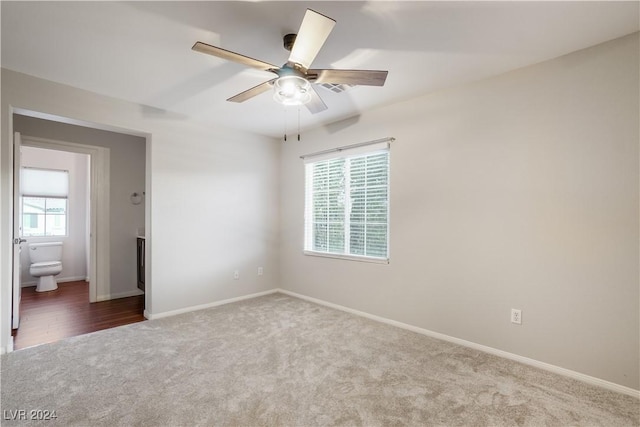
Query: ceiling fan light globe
x,y
292,90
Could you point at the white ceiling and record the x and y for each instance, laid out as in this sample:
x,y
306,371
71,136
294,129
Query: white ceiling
x,y
141,51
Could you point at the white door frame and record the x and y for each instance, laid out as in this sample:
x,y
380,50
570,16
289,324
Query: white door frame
x,y
99,268
17,233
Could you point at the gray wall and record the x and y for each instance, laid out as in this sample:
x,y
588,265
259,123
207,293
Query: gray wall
x,y
127,173
520,191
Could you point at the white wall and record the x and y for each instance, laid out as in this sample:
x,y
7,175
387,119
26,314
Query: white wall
x,y
127,175
211,205
74,262
519,191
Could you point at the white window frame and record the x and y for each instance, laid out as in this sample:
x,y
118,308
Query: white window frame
x,y
349,152
44,216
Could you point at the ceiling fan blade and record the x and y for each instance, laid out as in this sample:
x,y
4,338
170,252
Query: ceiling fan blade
x,y
313,32
316,104
254,91
350,77
232,56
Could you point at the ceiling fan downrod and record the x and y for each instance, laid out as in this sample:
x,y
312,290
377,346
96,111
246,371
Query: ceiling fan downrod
x,y
288,41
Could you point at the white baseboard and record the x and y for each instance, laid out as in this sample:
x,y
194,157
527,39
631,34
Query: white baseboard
x,y
525,360
9,347
152,316
58,280
71,279
126,294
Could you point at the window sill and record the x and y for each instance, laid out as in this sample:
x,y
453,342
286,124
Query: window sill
x,y
348,257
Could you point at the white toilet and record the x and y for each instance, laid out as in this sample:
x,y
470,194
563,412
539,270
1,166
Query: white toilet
x,y
46,262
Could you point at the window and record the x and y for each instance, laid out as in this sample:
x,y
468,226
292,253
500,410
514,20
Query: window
x,y
44,202
43,216
347,203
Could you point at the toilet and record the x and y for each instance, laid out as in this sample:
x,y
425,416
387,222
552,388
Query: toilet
x,y
46,262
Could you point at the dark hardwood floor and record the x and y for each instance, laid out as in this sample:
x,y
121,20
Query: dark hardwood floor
x,y
66,312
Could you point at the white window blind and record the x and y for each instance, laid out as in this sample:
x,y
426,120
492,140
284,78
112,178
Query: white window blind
x,y
347,202
44,201
36,182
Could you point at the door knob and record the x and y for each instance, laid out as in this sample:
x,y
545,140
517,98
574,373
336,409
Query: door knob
x,y
18,240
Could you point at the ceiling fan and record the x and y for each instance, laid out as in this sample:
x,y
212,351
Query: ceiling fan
x,y
293,84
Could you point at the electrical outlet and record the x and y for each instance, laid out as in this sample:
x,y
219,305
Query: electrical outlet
x,y
260,271
236,275
516,316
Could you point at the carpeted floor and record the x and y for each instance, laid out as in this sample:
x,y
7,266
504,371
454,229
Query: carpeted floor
x,y
277,360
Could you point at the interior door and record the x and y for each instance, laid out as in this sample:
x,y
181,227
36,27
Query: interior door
x,y
17,233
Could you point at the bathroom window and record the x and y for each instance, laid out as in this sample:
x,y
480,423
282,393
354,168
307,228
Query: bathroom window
x,y
44,216
44,201
347,203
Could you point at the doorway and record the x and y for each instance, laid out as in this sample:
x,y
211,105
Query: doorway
x,y
57,213
98,218
108,278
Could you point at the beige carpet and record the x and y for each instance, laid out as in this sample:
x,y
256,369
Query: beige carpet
x,y
277,360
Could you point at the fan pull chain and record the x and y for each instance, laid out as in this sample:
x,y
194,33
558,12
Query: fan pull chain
x,y
298,123
285,124
284,110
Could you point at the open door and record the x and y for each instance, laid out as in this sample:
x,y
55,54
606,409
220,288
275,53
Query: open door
x,y
17,233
